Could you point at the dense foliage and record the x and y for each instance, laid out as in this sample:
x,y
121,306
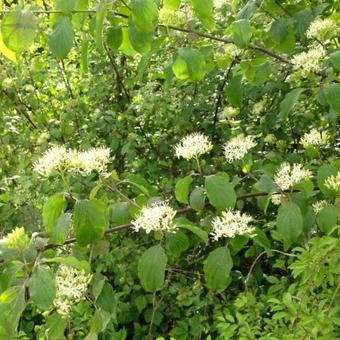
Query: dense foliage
x,y
169,169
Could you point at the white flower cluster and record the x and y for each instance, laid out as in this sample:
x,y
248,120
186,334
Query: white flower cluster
x,y
322,28
287,175
307,62
230,224
71,286
170,17
193,146
158,216
318,206
232,51
16,239
333,182
238,147
276,199
229,112
219,3
314,138
59,158
259,107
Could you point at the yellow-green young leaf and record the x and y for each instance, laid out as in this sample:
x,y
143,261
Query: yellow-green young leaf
x,y
6,51
144,15
197,199
84,55
18,30
61,39
140,41
12,304
89,221
151,268
289,222
241,32
182,189
327,218
53,208
189,64
325,171
220,192
217,267
204,11
42,287
126,46
171,4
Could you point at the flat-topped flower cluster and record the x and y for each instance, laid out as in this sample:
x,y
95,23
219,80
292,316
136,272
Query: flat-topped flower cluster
x,y
58,158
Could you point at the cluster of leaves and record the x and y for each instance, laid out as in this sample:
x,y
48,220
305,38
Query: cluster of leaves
x,y
136,77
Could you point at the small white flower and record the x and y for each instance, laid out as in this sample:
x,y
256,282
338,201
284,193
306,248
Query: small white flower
x,y
238,147
318,206
314,138
333,182
230,224
307,62
85,162
276,199
322,28
287,176
53,159
193,146
71,287
158,216
58,158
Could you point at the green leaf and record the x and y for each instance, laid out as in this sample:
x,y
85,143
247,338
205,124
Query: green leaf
x,y
289,102
151,268
217,267
65,6
325,171
12,304
189,65
120,213
99,321
332,94
100,16
114,37
204,11
126,46
142,184
327,218
220,192
52,209
182,189
289,222
18,30
140,41
61,229
197,199
89,221
42,287
6,51
71,261
61,38
234,91
177,243
182,222
144,14
172,4
55,326
335,59
241,32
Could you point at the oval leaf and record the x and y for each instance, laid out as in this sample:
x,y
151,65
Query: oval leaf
x,y
151,268
182,189
217,267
